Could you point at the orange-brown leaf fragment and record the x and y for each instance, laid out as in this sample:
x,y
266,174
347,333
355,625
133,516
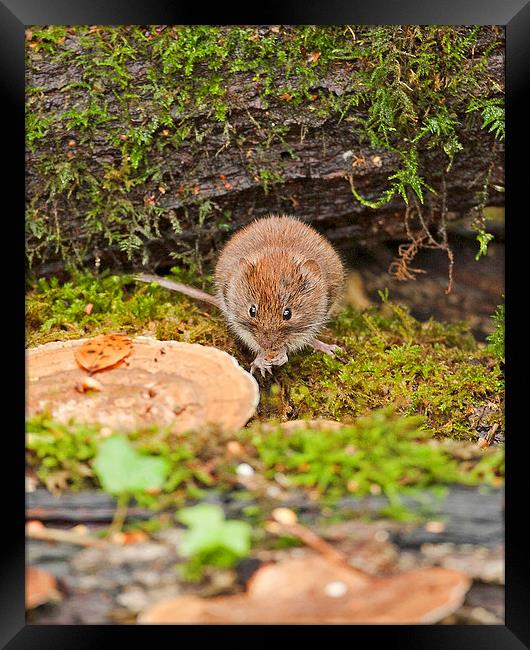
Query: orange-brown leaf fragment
x,y
103,351
41,587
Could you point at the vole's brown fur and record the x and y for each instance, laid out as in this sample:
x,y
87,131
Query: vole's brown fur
x,y
274,264
277,263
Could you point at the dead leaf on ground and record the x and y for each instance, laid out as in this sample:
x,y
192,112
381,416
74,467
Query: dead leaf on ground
x,y
315,590
41,587
103,352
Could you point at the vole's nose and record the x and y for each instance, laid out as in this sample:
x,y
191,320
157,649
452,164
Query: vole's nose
x,y
267,342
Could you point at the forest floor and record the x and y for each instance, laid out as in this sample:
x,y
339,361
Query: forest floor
x,y
430,397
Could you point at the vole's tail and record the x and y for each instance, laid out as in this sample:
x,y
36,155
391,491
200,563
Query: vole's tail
x,y
192,292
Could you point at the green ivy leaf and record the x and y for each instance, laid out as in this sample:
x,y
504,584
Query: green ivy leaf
x,y
122,470
208,532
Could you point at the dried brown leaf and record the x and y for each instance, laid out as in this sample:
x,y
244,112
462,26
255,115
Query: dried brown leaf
x,y
103,352
41,587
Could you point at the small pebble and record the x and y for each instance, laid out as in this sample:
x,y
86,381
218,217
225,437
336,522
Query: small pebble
x,y
80,529
435,527
133,599
235,448
284,516
244,470
88,383
281,479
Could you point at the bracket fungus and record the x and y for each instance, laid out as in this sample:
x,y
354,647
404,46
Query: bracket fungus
x,y
160,383
314,589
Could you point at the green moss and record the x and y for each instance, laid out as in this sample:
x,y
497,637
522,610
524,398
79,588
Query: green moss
x,y
426,369
388,358
59,311
48,38
67,451
61,453
496,339
378,454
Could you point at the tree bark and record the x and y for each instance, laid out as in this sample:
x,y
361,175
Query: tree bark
x,y
470,515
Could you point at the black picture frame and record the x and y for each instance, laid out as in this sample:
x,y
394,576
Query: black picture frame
x,y
515,16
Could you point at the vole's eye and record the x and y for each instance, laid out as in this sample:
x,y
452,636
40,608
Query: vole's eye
x,y
286,314
252,311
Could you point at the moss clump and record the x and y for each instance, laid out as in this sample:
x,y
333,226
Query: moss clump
x,y
380,454
65,452
388,357
60,453
87,305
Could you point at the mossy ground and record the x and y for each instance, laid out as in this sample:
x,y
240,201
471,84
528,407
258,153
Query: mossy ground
x,y
411,395
423,389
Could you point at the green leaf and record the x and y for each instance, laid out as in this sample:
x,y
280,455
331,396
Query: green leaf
x,y
209,532
235,535
205,515
483,239
121,469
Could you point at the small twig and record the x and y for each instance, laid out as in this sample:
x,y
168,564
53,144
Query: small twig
x,y
59,535
491,433
285,521
318,544
351,32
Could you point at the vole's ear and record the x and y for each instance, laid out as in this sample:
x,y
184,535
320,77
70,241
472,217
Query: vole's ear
x,y
245,265
311,274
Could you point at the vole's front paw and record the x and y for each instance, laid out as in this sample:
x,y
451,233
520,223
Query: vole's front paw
x,y
264,362
261,364
326,348
279,360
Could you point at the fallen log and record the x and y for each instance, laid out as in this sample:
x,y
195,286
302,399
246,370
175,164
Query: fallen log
x,y
468,515
150,144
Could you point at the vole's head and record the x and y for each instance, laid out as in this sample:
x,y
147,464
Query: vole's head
x,y
276,302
